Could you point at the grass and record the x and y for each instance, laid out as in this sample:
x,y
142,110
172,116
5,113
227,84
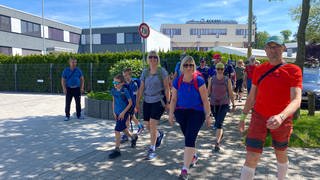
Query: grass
x,y
306,131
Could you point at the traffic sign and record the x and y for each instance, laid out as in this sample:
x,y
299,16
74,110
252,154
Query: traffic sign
x,y
144,30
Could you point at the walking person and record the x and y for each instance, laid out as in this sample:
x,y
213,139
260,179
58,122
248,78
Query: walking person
x,y
204,70
275,95
72,82
155,90
220,93
239,83
190,106
248,73
121,104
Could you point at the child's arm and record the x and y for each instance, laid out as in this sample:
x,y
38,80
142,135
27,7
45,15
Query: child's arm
x,y
114,114
121,116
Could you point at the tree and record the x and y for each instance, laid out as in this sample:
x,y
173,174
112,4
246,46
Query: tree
x,y
286,34
313,26
261,39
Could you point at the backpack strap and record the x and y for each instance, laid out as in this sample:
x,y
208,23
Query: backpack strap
x,y
180,81
194,79
268,72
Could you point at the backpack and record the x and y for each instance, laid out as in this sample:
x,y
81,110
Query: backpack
x,y
194,79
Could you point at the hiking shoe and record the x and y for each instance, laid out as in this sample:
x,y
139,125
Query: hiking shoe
x,y
80,117
159,139
140,129
151,154
134,140
115,153
183,175
194,160
124,138
66,118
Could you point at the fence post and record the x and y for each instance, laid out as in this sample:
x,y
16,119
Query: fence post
x,y
51,79
15,77
91,74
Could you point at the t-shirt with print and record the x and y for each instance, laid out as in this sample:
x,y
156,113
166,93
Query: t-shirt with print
x,y
121,98
188,97
153,85
72,77
273,92
249,70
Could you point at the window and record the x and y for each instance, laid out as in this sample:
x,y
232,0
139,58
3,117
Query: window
x,y
74,38
5,50
196,31
132,38
5,23
30,28
26,52
171,31
241,32
109,38
55,34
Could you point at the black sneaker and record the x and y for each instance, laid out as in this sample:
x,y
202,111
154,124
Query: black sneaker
x,y
134,140
124,138
159,139
115,153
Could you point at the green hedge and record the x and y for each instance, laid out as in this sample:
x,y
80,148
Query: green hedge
x,y
100,95
34,67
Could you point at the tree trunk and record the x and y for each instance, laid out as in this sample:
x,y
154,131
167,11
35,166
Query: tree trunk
x,y
301,37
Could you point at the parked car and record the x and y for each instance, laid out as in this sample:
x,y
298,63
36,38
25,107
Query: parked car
x,y
311,83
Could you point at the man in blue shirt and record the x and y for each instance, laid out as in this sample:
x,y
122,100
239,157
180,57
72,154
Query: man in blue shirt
x,y
177,72
72,83
204,70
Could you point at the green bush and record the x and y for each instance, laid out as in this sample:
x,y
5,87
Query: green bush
x,y
135,65
100,96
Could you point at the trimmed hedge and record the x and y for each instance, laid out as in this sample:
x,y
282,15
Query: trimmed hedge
x,y
49,68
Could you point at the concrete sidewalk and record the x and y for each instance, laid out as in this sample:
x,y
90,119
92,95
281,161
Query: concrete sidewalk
x,y
36,143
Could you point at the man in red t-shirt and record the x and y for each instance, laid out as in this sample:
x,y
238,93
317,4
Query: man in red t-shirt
x,y
274,99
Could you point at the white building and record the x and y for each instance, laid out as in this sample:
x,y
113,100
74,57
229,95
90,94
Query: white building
x,y
205,34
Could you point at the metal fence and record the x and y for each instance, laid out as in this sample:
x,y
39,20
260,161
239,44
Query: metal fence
x,y
46,78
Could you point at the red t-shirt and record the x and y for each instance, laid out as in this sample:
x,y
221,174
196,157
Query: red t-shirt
x,y
273,92
249,70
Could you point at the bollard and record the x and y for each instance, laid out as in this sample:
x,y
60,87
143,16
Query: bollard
x,y
311,103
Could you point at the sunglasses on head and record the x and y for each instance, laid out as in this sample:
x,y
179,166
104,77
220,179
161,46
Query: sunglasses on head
x,y
154,57
220,69
188,65
115,82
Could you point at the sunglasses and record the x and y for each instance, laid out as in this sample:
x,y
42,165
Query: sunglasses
x,y
154,57
115,82
219,69
188,65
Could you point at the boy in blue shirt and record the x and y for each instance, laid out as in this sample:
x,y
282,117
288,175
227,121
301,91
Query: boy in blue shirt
x,y
121,103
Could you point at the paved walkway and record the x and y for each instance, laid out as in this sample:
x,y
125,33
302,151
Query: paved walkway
x,y
36,143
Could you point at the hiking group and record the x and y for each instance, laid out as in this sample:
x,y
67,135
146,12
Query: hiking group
x,y
196,94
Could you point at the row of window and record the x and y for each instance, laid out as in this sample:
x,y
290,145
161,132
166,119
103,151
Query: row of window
x,y
114,38
34,29
202,31
8,51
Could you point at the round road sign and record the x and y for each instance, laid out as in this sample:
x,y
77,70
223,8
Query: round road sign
x,y
144,30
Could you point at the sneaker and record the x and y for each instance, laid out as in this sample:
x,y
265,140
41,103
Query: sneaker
x,y
194,160
217,148
124,138
66,118
134,141
80,117
115,153
159,139
140,129
151,154
183,175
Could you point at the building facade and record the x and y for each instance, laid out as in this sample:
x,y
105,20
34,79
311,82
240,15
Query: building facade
x,y
22,33
205,34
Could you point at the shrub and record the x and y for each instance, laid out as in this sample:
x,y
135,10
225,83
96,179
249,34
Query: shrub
x,y
100,96
135,65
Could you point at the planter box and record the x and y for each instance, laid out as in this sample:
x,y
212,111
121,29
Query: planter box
x,y
98,109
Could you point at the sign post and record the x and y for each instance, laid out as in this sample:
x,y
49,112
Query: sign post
x,y
144,31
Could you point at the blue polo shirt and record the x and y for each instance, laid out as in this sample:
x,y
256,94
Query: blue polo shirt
x,y
121,98
72,77
188,97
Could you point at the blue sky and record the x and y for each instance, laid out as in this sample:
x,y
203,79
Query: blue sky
x,y
272,17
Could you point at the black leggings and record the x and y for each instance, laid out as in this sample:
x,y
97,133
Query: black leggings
x,y
190,123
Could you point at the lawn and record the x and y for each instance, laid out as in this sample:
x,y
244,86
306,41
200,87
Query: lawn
x,y
306,131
